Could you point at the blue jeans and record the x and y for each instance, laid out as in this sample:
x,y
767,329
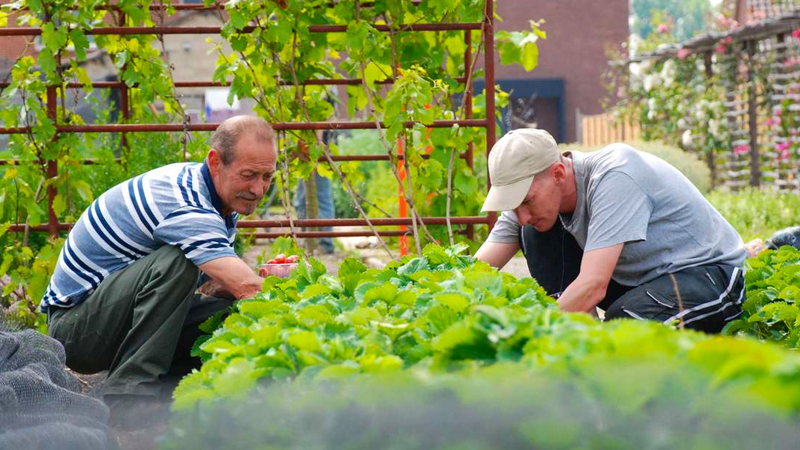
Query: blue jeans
x,y
325,202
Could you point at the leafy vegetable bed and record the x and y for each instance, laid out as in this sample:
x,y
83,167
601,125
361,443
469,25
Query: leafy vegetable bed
x,y
771,312
440,310
442,351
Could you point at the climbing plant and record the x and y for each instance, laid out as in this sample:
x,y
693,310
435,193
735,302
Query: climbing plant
x,y
267,51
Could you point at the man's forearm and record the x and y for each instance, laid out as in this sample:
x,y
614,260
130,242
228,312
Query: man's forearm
x,y
582,295
496,254
234,276
589,289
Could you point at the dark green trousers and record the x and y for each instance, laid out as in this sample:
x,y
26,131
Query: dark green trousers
x,y
139,324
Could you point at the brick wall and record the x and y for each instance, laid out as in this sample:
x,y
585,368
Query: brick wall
x,y
578,34
11,47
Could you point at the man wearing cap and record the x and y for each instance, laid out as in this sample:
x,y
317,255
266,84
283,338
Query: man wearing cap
x,y
617,229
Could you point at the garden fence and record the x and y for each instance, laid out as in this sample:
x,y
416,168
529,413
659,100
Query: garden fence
x,y
603,129
758,68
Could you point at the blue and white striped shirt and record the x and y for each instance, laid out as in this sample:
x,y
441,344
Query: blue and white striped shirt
x,y
173,205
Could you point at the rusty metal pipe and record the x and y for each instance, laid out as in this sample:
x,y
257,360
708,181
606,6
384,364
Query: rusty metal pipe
x,y
338,158
381,221
201,84
129,128
128,31
315,223
491,129
214,7
324,234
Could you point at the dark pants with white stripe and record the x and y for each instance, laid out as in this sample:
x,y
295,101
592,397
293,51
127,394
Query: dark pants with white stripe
x,y
139,324
703,298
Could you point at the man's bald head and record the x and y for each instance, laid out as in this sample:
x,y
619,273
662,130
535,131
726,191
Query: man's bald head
x,y
232,130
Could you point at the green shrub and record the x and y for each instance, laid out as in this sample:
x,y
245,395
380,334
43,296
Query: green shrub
x,y
755,213
688,164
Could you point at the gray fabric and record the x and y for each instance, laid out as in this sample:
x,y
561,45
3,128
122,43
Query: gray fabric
x,y
41,406
632,197
629,197
506,229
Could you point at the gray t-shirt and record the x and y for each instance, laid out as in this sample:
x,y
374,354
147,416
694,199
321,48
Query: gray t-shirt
x,y
629,197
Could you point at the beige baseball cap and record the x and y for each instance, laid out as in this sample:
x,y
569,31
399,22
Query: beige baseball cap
x,y
513,162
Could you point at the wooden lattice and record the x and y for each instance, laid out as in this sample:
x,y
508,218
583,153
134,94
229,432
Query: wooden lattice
x,y
758,67
764,9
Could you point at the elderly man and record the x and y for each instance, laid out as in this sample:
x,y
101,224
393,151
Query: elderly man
x,y
123,295
617,229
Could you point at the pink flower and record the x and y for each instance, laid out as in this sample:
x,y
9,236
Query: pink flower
x,y
663,28
769,122
683,53
723,45
782,146
796,33
740,150
785,155
726,22
778,112
757,16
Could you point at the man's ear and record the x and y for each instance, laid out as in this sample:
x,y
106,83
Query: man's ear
x,y
214,161
559,172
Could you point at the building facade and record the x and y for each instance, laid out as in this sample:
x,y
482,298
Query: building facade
x,y
572,61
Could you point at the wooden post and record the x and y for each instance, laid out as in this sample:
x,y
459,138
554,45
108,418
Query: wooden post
x,y
752,105
779,173
311,200
710,159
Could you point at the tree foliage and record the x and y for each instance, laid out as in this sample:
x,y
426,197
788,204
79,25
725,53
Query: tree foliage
x,y
685,18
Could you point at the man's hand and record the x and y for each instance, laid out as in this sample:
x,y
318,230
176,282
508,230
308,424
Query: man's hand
x,y
233,276
755,247
590,287
213,289
496,254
